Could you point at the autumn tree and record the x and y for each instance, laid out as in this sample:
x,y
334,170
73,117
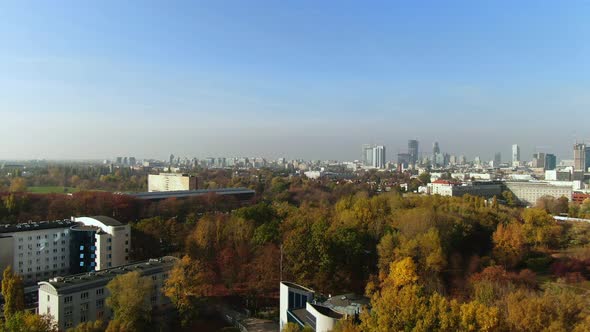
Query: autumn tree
x,y
13,292
95,326
510,244
128,300
18,185
189,282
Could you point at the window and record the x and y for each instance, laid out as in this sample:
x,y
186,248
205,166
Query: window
x,y
126,242
100,291
100,304
109,248
48,310
45,235
20,247
68,310
81,263
109,240
99,314
67,299
110,256
30,238
38,237
81,255
81,247
84,296
48,298
20,239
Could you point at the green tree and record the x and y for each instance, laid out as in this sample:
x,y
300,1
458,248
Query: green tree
x,y
27,322
13,292
128,300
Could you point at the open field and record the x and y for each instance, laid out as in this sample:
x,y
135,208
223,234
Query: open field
x,y
51,190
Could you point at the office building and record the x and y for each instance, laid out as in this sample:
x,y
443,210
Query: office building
x,y
39,250
82,297
171,182
404,160
497,159
367,155
515,155
581,157
435,148
413,151
550,162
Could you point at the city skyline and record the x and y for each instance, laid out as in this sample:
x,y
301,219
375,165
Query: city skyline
x,y
303,80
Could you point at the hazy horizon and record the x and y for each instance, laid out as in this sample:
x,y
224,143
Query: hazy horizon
x,y
298,80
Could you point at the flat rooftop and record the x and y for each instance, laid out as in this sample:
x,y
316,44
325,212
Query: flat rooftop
x,y
191,193
76,282
39,225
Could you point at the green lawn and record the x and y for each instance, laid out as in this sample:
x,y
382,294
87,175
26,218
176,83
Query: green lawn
x,y
51,190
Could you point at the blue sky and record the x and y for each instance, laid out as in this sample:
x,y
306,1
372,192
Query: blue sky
x,y
309,79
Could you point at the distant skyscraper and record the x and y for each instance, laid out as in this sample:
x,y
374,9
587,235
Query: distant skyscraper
x,y
435,148
413,151
379,156
171,159
462,160
515,155
581,157
550,162
373,155
367,155
132,161
497,159
403,159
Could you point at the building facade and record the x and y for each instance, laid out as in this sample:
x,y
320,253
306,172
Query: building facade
x,y
171,182
528,192
300,305
82,297
413,151
515,155
40,250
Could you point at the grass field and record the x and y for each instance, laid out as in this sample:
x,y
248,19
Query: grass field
x,y
51,190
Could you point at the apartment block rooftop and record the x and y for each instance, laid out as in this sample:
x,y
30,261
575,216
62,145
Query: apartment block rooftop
x,y
36,225
75,283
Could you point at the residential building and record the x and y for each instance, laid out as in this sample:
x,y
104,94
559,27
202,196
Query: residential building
x,y
379,156
373,156
171,182
528,192
82,297
301,306
40,250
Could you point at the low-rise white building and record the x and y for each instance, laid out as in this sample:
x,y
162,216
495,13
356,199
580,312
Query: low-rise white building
x,y
82,297
298,305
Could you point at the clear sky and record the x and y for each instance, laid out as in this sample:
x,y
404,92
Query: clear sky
x,y
301,79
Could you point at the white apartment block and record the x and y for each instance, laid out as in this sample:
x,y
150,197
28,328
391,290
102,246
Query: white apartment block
x,y
40,250
528,192
171,182
80,298
36,250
